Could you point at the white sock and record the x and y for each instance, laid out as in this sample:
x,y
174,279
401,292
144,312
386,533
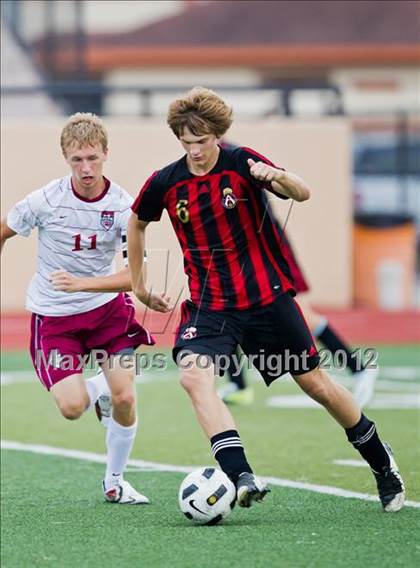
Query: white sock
x,y
119,442
96,386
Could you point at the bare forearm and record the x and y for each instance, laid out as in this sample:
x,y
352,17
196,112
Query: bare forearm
x,y
5,233
283,183
136,246
291,185
63,281
118,282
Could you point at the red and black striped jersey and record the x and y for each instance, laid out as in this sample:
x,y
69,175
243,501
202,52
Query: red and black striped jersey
x,y
300,283
232,250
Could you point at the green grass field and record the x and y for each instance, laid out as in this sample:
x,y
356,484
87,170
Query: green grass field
x,y
53,513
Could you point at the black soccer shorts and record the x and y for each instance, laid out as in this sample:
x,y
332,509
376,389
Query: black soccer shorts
x,y
275,338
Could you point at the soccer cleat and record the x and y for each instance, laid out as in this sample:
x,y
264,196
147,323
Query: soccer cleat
x,y
124,494
365,385
249,489
231,394
103,407
390,485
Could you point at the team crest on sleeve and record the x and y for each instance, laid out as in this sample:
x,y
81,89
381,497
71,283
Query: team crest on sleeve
x,y
190,333
229,198
107,219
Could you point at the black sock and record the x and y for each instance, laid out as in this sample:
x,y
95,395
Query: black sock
x,y
236,376
335,344
365,439
228,450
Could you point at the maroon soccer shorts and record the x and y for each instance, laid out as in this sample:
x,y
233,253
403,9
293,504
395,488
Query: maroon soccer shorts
x,y
111,328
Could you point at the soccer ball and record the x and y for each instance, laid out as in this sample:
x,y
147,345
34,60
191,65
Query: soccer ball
x,y
206,496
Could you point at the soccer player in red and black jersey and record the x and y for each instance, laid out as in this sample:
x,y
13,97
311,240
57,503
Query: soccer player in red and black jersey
x,y
240,285
237,392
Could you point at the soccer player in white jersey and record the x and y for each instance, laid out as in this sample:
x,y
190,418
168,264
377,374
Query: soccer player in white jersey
x,y
76,296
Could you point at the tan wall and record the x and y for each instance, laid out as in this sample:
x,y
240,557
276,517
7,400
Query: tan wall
x,y
320,228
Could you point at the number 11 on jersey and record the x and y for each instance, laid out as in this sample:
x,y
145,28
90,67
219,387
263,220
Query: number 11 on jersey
x,y
78,243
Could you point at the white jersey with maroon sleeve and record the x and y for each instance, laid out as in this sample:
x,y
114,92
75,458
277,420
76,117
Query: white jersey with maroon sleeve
x,y
75,234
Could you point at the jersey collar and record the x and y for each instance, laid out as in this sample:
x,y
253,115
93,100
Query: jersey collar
x,y
97,198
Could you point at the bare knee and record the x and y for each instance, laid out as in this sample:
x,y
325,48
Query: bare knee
x,y
124,400
70,396
193,380
317,387
319,393
188,381
71,410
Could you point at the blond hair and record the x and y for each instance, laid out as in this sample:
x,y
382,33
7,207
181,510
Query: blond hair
x,y
202,111
83,129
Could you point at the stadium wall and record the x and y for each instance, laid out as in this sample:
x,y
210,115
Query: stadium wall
x,y
320,229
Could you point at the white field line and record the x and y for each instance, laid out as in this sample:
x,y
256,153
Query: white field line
x,y
351,463
400,373
13,377
152,466
390,379
379,401
393,386
385,385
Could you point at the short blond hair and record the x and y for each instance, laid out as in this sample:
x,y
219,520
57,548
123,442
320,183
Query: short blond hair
x,y
83,129
202,111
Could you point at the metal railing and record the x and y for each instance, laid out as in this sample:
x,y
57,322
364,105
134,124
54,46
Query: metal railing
x,y
85,95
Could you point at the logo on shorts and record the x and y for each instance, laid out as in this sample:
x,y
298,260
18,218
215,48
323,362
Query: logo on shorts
x,y
107,219
229,198
190,333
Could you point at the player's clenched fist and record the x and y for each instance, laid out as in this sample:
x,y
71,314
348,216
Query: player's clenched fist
x,y
262,171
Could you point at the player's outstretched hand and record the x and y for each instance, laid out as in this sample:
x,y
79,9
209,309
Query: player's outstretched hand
x,y
62,281
156,302
261,171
